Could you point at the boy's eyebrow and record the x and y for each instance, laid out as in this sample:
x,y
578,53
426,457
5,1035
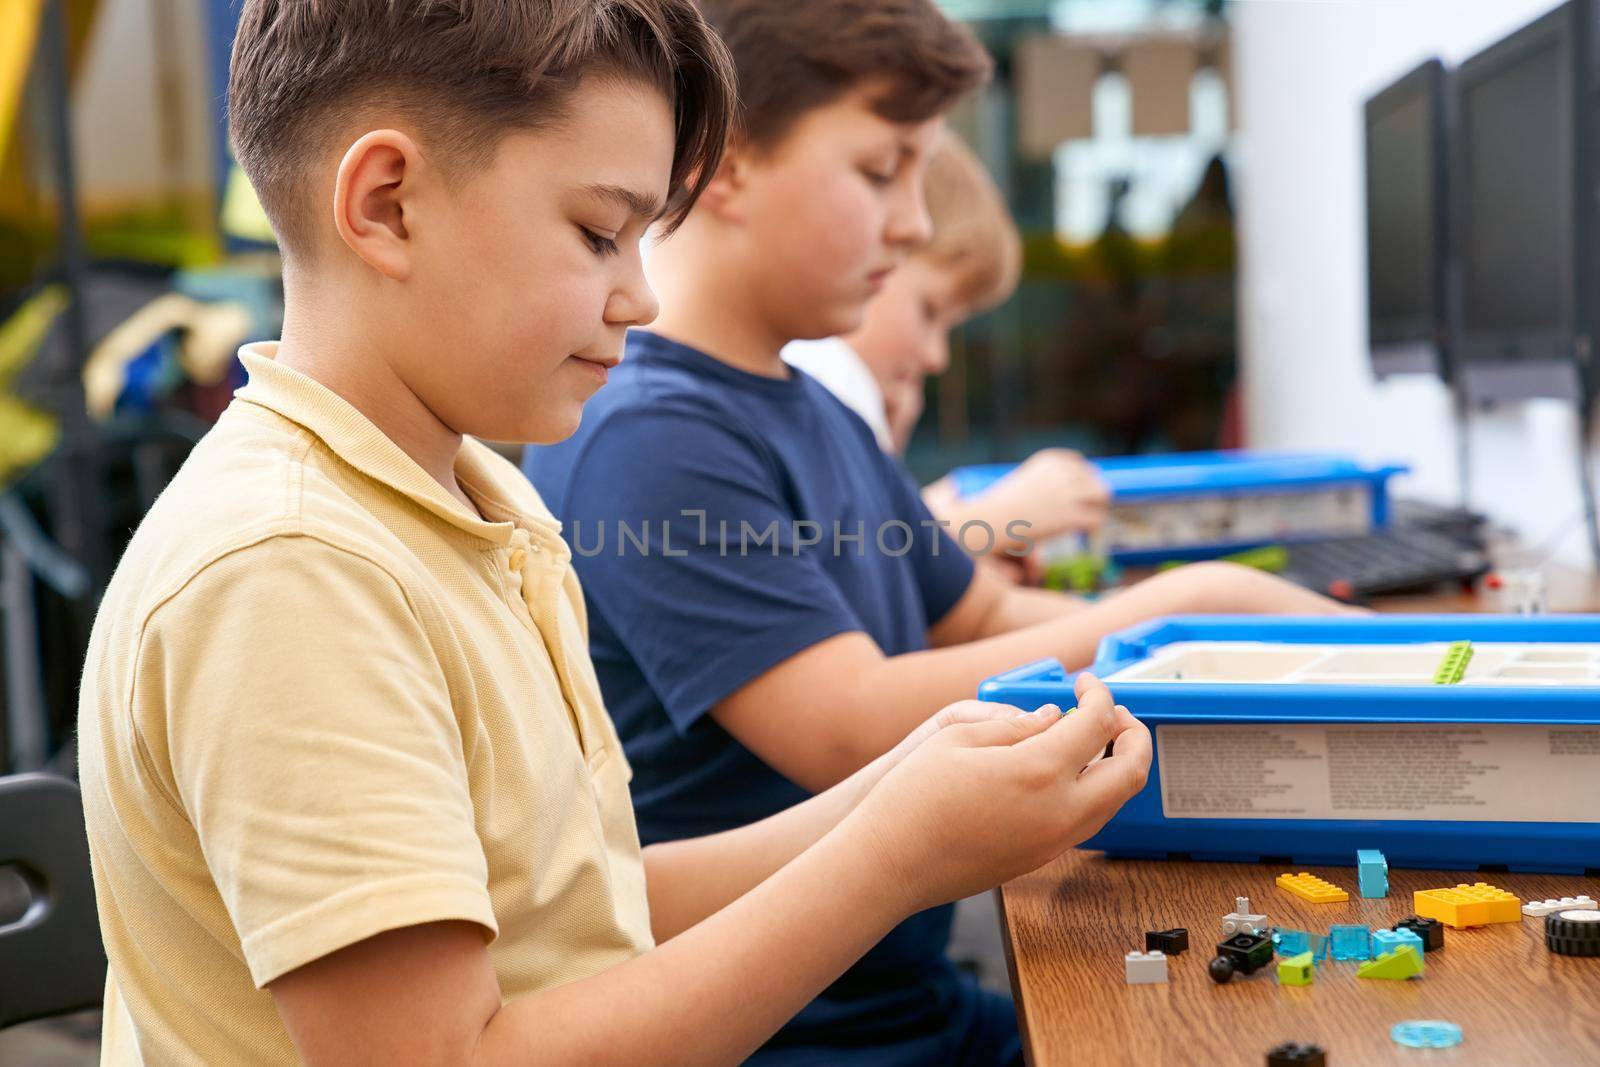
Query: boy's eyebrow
x,y
642,204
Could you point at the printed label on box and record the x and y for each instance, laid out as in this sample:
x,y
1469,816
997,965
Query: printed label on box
x,y
1449,772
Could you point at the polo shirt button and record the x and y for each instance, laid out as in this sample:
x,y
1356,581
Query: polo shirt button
x,y
518,558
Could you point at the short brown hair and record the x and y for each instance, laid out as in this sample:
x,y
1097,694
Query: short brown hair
x,y
796,55
973,234
467,72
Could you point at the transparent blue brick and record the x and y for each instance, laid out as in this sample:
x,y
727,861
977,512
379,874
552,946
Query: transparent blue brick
x,y
1351,942
1426,1033
1292,942
1389,940
1372,870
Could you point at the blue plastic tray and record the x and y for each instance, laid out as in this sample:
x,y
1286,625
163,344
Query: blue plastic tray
x,y
1205,475
1142,828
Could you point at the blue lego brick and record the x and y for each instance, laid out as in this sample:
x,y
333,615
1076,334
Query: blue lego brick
x,y
1390,940
1351,942
1372,870
1292,942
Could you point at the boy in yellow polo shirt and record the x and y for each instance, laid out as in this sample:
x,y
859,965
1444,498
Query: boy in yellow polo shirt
x,y
351,792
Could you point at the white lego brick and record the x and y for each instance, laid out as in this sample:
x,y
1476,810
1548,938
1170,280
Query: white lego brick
x,y
1242,920
1537,908
1146,968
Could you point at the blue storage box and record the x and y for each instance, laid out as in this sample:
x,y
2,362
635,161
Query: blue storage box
x,y
1195,505
1304,740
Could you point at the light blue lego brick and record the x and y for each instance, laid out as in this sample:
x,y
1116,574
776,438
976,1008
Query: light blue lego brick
x,y
1351,942
1319,947
1390,940
1412,938
1292,942
1372,870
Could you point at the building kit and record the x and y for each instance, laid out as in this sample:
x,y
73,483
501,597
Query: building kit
x,y
1307,740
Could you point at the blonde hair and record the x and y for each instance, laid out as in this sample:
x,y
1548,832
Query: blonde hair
x,y
973,234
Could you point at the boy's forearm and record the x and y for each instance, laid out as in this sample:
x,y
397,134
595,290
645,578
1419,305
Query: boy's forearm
x,y
713,994
1022,607
856,703
691,879
901,691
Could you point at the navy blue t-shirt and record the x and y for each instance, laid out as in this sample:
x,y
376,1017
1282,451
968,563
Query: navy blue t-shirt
x,y
722,522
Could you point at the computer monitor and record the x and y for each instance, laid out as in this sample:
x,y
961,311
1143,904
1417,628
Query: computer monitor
x,y
1408,224
1524,220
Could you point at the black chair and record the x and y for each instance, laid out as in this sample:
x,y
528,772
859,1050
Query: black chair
x,y
51,959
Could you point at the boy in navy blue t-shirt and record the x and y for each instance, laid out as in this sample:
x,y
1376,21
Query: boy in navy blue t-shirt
x,y
771,605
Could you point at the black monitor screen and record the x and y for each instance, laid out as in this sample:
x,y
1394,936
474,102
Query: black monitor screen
x,y
1517,244
1401,243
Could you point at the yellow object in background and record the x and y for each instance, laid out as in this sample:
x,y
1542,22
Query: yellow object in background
x,y
19,31
27,435
23,333
1310,887
241,210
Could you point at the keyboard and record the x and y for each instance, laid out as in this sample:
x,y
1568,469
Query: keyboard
x,y
1398,559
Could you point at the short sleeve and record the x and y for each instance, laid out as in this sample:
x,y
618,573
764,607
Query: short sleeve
x,y
312,743
943,568
721,592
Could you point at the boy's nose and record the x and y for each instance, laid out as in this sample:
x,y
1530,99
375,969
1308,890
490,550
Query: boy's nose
x,y
910,224
634,304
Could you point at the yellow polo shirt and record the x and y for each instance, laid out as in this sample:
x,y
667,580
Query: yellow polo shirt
x,y
321,701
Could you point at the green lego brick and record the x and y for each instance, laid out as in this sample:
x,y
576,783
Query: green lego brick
x,y
1274,559
1453,667
1078,574
1404,962
1295,970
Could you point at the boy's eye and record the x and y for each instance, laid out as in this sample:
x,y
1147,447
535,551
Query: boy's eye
x,y
603,246
878,177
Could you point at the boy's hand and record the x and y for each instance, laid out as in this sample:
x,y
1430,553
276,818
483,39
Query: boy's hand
x,y
1060,492
962,711
993,794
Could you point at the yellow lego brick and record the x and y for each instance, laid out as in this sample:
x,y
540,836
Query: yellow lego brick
x,y
1468,905
1310,887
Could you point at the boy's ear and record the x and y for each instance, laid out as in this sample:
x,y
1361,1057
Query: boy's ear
x,y
723,195
374,200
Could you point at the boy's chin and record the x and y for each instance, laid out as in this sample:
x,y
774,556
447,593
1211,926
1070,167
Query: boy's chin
x,y
554,428
835,321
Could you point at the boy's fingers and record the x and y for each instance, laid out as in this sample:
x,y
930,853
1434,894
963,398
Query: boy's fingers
x,y
1122,774
1094,697
982,711
1076,740
1004,730
969,711
1086,683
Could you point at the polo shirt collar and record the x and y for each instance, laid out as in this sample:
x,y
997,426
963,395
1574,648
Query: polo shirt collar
x,y
353,438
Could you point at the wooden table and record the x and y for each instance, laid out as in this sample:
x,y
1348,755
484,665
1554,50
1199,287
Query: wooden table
x,y
1068,925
